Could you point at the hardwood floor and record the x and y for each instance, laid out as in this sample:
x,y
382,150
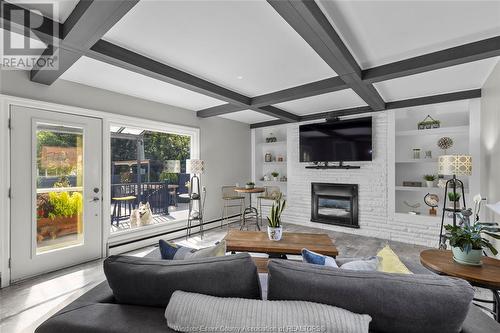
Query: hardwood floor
x,y
23,306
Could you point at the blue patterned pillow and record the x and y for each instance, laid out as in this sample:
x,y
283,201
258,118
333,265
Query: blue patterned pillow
x,y
172,251
311,257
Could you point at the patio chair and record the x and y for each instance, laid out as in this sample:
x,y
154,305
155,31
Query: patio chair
x,y
231,198
122,198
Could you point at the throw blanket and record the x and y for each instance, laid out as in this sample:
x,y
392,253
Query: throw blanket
x,y
191,312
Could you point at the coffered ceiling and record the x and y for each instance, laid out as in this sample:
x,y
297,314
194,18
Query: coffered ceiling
x,y
257,61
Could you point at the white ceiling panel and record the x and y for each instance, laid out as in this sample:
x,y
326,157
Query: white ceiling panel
x,y
57,10
462,77
378,31
248,116
337,100
242,45
101,75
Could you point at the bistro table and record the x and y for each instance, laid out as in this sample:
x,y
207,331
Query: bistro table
x,y
250,210
485,276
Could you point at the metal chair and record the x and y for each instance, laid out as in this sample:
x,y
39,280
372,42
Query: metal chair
x,y
271,194
229,197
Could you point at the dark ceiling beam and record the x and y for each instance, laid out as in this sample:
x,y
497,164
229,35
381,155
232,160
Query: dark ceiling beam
x,y
307,19
418,101
306,90
129,60
86,24
435,99
453,56
118,56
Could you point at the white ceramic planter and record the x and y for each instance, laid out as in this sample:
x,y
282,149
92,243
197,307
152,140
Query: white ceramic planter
x,y
430,183
249,187
274,234
472,258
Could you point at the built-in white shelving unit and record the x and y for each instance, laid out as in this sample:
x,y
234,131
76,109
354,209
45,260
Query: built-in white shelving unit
x,y
260,147
455,123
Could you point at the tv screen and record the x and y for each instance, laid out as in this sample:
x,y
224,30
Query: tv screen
x,y
337,141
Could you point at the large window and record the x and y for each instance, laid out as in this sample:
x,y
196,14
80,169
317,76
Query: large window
x,y
148,177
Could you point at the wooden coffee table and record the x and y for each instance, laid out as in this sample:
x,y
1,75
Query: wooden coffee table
x,y
290,243
485,276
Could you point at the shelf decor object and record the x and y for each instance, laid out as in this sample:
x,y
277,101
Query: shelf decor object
x,y
428,123
453,165
195,168
445,143
432,200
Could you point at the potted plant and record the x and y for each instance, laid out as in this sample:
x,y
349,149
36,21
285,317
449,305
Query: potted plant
x,y
274,228
275,175
429,180
250,185
467,241
454,197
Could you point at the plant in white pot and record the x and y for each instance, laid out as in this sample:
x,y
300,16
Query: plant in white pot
x,y
250,185
275,175
274,229
429,180
467,241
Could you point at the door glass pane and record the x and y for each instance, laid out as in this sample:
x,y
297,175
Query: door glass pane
x,y
59,187
149,183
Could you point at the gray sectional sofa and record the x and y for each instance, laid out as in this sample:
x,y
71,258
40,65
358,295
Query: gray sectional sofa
x,y
135,294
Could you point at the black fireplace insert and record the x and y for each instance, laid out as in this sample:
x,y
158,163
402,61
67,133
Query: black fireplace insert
x,y
335,204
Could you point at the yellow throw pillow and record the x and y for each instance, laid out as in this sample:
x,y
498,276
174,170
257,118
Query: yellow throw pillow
x,y
390,262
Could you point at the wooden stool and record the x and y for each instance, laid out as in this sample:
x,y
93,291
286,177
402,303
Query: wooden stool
x,y
117,209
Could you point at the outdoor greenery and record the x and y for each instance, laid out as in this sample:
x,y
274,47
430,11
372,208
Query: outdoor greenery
x,y
468,236
274,219
59,204
158,148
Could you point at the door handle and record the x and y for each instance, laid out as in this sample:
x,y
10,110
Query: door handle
x,y
94,199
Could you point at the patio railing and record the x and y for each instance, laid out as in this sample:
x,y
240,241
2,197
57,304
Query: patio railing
x,y
156,193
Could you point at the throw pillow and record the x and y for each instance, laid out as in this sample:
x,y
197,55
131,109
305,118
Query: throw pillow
x,y
172,251
311,257
390,262
190,312
361,264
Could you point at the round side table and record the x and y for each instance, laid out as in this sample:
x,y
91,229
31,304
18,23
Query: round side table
x,y
250,210
485,276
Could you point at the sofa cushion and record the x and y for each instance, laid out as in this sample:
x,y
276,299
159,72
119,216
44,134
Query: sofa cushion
x,y
190,312
84,317
396,302
172,251
151,282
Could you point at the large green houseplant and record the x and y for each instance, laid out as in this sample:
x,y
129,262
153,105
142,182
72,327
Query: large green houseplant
x,y
467,241
274,228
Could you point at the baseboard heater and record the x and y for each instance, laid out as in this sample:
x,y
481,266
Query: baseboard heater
x,y
333,167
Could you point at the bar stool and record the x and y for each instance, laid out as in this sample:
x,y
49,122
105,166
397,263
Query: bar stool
x,y
231,198
271,194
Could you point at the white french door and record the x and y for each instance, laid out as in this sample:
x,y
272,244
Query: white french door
x,y
56,185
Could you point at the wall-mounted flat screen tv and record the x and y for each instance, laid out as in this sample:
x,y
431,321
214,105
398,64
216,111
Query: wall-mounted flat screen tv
x,y
336,141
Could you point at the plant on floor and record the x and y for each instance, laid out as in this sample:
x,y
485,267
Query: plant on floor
x,y
466,238
453,196
430,178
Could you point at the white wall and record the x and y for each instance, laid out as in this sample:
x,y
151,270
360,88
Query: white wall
x,y
224,144
490,140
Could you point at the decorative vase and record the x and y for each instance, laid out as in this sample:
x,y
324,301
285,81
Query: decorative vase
x,y
472,258
274,234
430,183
